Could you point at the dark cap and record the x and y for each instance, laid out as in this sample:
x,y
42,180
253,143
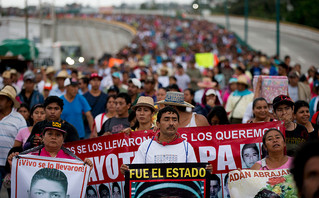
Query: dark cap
x,y
95,75
113,88
282,99
54,125
70,81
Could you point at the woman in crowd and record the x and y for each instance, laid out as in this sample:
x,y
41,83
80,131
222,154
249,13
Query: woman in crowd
x,y
231,87
189,97
302,115
145,111
217,116
53,137
24,111
260,111
209,100
274,143
160,95
110,112
37,115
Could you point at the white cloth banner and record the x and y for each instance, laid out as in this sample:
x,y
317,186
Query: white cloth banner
x,y
261,184
36,177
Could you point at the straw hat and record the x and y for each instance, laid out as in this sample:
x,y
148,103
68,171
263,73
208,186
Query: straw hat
x,y
49,70
175,99
207,83
242,80
11,93
62,74
6,74
144,101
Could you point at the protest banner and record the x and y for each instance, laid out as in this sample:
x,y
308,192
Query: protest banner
x,y
36,176
167,180
224,146
206,60
262,183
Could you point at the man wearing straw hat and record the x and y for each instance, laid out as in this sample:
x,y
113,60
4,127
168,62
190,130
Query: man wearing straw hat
x,y
10,123
187,119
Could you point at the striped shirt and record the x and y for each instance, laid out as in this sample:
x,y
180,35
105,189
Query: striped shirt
x,y
9,127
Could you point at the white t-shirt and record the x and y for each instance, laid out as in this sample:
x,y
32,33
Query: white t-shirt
x,y
151,152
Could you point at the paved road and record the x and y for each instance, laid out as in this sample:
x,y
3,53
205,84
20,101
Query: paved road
x,y
262,36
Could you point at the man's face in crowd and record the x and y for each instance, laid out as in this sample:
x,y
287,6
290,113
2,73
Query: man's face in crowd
x,y
45,188
5,102
116,81
7,81
95,83
72,90
310,188
293,81
121,106
82,85
284,113
60,82
168,124
132,89
214,189
53,112
29,85
148,86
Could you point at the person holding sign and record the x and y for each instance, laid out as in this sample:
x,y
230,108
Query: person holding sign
x,y
53,137
274,143
167,146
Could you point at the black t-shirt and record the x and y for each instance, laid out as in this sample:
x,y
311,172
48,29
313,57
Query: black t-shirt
x,y
72,134
114,125
295,138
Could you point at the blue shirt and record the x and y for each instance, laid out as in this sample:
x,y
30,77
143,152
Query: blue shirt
x,y
72,112
97,103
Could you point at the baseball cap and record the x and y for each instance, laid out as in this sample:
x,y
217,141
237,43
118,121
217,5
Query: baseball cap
x,y
70,81
116,75
47,86
113,88
136,82
282,99
28,75
54,125
211,92
95,75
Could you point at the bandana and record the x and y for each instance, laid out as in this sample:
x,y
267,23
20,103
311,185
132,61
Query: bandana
x,y
176,140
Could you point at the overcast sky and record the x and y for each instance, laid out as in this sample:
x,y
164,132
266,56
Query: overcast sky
x,y
93,3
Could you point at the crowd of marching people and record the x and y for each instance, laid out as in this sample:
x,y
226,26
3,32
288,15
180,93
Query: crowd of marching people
x,y
159,69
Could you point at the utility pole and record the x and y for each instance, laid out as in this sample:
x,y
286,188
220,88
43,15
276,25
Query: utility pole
x,y
278,27
40,21
246,22
26,20
227,14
